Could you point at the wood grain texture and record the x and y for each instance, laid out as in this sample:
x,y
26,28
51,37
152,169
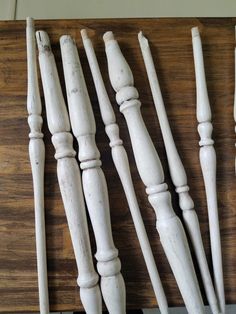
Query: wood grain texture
x,y
171,45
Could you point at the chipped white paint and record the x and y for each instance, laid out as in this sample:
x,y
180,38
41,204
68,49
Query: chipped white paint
x,y
178,175
94,182
37,160
170,229
68,177
121,163
208,165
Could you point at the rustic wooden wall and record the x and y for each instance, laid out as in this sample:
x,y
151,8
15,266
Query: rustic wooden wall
x,y
170,41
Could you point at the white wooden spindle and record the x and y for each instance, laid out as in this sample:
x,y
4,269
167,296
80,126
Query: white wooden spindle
x,y
68,176
94,183
208,165
172,235
235,90
178,175
37,159
121,162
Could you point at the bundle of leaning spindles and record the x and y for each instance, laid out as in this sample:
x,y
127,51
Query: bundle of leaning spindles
x,y
92,189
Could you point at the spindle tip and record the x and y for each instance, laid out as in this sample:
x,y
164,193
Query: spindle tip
x,y
84,34
66,39
235,31
108,36
30,22
142,40
43,41
195,31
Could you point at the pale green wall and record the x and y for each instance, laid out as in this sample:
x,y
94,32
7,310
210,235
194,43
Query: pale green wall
x,y
48,9
7,9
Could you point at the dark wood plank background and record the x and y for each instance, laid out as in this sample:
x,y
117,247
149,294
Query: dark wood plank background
x,y
170,41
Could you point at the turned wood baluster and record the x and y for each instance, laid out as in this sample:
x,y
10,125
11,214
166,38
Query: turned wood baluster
x,y
208,165
178,175
37,159
172,235
68,176
121,162
94,183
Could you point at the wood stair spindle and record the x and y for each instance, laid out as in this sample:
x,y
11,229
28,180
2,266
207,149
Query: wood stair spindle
x,y
178,176
121,163
68,176
207,156
94,183
169,226
37,160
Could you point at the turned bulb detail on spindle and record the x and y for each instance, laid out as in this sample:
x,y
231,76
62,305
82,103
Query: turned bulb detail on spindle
x,y
35,122
68,177
172,235
37,160
205,131
178,174
207,156
94,182
121,163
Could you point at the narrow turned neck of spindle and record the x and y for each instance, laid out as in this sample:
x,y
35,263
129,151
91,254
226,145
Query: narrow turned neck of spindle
x,y
203,105
107,112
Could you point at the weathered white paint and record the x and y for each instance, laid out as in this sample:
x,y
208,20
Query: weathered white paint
x,y
208,164
37,160
121,163
178,176
94,182
68,176
170,228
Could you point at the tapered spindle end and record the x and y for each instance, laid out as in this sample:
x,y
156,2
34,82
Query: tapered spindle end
x,y
140,35
195,32
30,22
108,36
66,39
235,31
84,34
142,40
43,41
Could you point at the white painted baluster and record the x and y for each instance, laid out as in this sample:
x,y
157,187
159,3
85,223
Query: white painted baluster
x,y
121,162
170,229
94,183
235,90
178,176
68,176
208,165
37,159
